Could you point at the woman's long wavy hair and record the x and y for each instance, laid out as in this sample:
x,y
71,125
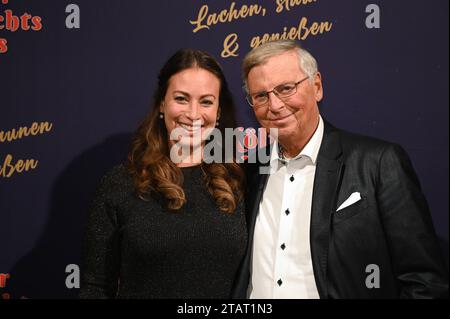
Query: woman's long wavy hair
x,y
149,160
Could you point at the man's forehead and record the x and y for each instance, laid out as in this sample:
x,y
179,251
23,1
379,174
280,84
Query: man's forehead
x,y
282,67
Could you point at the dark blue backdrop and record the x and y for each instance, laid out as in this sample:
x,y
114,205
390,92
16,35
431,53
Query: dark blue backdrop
x,y
95,85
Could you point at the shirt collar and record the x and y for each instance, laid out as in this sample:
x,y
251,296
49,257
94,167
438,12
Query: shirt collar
x,y
311,149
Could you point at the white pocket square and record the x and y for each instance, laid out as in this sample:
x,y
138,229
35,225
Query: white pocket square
x,y
355,197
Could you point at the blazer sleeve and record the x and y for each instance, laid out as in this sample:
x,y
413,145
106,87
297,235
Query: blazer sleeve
x,y
413,245
101,255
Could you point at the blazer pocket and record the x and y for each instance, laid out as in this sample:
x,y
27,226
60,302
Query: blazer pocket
x,y
350,211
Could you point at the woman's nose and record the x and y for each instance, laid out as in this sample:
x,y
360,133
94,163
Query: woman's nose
x,y
194,111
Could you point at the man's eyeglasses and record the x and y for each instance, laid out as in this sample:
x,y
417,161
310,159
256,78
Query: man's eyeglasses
x,y
281,91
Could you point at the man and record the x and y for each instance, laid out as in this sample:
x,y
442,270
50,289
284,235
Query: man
x,y
340,215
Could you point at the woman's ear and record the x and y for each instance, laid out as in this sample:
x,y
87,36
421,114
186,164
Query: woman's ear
x,y
161,107
218,118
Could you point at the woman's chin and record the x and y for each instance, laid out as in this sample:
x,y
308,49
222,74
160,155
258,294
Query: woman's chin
x,y
189,141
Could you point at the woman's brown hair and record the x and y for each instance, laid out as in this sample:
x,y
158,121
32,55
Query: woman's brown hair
x,y
149,160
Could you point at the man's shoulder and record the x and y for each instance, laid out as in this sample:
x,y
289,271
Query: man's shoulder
x,y
368,153
351,141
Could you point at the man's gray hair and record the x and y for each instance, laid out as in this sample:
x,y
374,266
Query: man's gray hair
x,y
261,54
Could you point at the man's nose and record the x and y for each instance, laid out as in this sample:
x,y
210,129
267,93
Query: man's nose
x,y
275,103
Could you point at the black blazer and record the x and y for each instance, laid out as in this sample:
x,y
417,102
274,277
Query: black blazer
x,y
390,227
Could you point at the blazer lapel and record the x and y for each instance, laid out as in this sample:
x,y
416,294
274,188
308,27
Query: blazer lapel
x,y
255,209
326,183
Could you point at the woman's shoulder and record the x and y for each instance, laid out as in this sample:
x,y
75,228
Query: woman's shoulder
x,y
119,171
116,183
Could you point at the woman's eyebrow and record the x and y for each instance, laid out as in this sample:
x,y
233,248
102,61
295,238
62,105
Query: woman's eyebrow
x,y
208,95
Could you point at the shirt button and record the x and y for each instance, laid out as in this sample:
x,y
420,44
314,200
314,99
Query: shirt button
x,y
287,212
279,282
283,246
292,178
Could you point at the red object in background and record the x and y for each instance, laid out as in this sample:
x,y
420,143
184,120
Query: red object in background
x,y
3,45
3,278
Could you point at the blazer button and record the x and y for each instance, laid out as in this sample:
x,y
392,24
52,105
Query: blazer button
x,y
287,212
279,282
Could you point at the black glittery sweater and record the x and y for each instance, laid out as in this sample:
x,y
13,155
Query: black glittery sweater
x,y
138,249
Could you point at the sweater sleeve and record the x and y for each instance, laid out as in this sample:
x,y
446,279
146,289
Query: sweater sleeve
x,y
101,246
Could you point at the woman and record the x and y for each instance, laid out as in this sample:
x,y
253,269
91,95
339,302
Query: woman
x,y
169,226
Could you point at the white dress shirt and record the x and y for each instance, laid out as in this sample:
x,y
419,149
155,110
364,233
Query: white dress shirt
x,y
281,256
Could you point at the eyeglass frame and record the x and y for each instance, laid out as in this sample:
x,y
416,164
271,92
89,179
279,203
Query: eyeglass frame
x,y
249,97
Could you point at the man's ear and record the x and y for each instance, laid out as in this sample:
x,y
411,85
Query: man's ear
x,y
318,88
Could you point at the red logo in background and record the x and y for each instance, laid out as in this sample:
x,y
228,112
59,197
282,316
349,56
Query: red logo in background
x,y
3,284
3,278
